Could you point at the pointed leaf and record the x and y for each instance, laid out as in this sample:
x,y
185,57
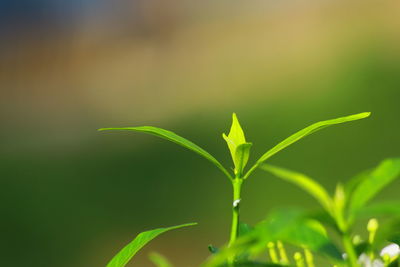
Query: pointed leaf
x,y
307,184
173,137
126,254
373,182
303,133
237,145
159,260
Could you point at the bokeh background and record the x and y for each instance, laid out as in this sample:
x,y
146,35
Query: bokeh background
x,y
72,196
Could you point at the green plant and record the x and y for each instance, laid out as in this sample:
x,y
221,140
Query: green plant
x,y
349,201
307,230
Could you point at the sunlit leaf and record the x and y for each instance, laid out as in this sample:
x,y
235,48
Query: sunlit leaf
x,y
238,147
373,182
303,133
241,157
173,137
159,260
126,254
307,184
244,229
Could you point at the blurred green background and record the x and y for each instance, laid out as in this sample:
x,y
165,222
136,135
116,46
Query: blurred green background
x,y
71,196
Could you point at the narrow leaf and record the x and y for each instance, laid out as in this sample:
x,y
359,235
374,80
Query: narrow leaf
x,y
373,182
159,260
173,137
303,133
126,254
307,184
387,208
241,157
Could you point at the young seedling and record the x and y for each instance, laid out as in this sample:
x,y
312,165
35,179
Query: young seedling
x,y
240,152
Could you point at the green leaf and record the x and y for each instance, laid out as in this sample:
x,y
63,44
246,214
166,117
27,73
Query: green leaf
x,y
303,133
173,137
307,184
126,254
244,229
373,182
389,208
237,145
159,260
241,157
292,226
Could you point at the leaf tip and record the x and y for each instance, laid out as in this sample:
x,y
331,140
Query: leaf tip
x,y
365,114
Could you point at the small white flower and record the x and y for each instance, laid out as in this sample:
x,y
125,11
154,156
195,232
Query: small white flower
x,y
236,203
392,250
365,261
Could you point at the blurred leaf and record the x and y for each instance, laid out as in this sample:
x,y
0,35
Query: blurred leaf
x,y
352,184
159,260
244,229
237,145
373,182
126,254
303,133
323,217
380,209
307,184
171,136
295,227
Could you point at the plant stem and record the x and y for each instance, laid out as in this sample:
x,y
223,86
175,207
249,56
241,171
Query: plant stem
x,y
237,185
349,248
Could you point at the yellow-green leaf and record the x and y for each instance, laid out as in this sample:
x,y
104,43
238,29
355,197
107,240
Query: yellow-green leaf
x,y
372,182
303,133
237,145
173,137
307,184
159,260
127,253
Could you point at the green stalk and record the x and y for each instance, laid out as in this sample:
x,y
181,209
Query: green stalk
x,y
349,248
237,185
